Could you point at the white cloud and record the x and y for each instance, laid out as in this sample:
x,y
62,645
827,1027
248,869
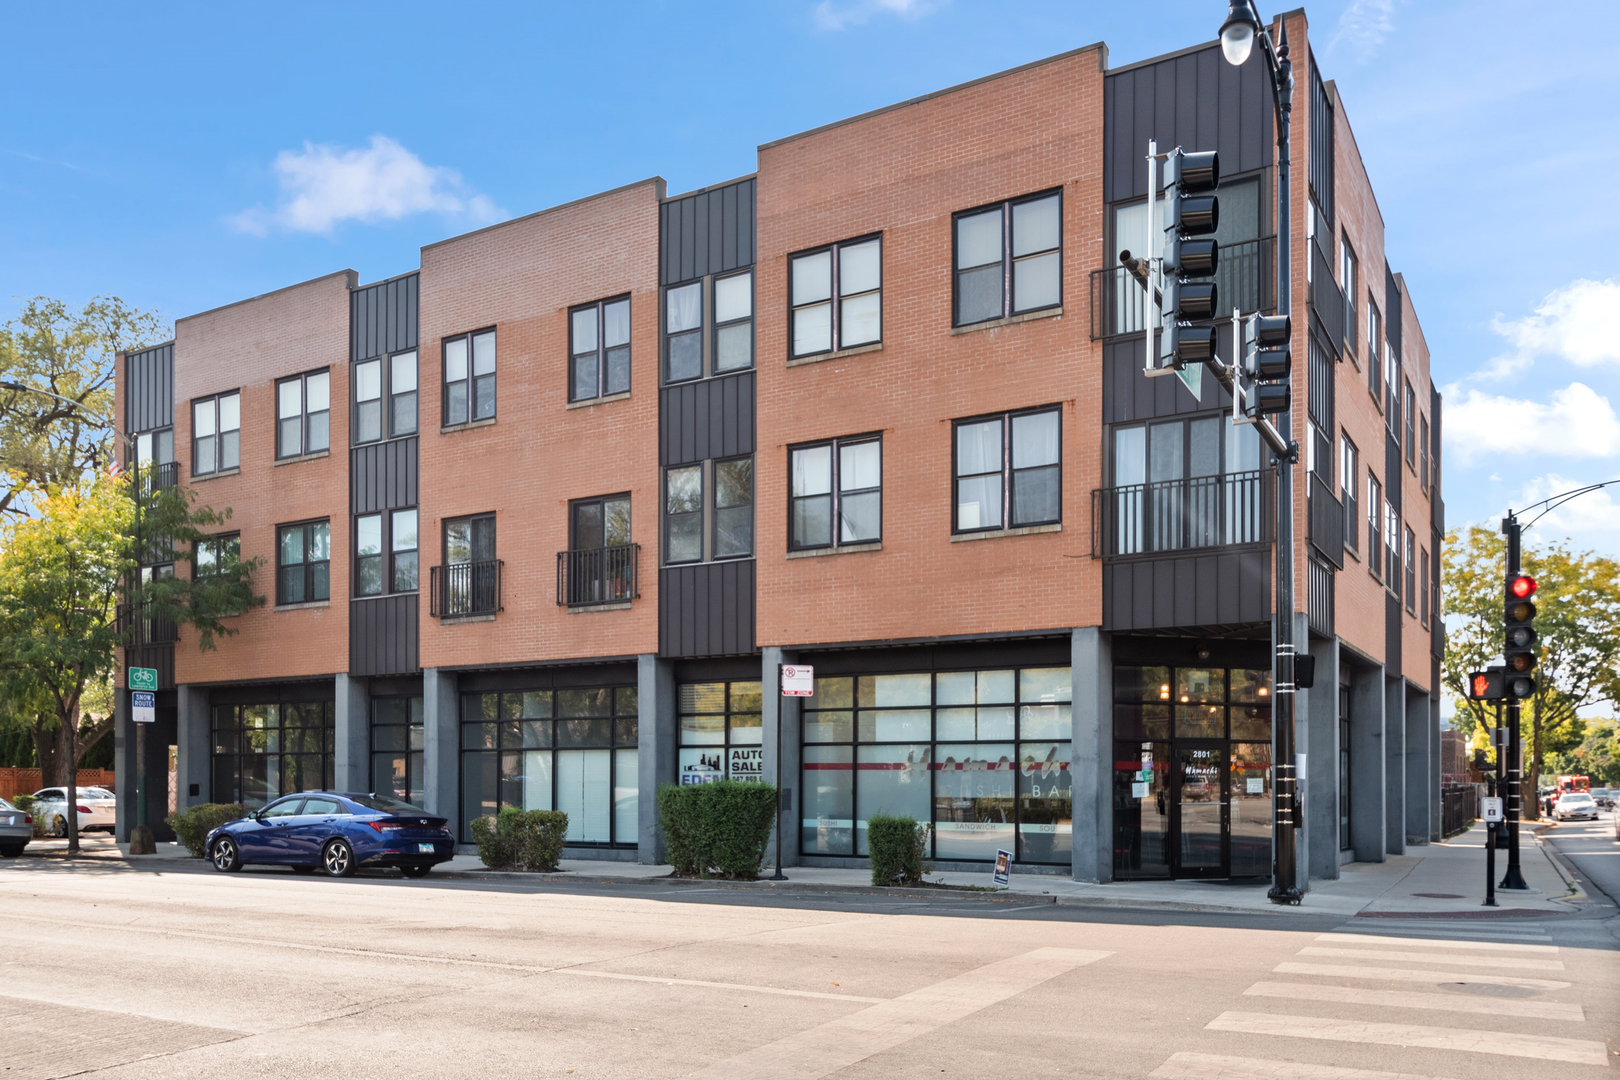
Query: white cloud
x,y
323,186
830,16
1576,422
1573,323
1364,26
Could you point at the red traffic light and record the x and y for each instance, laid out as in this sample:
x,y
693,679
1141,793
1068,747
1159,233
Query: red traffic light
x,y
1522,586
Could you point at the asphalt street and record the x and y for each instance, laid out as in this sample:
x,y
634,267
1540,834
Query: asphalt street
x,y
173,971
1594,849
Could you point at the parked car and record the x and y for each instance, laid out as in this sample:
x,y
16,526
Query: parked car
x,y
98,809
1575,806
338,832
1604,797
16,829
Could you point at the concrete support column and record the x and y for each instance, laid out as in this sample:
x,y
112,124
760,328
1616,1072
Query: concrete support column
x,y
1436,765
787,711
441,740
1367,764
655,749
351,750
1420,792
1395,766
193,731
123,764
1320,783
1092,754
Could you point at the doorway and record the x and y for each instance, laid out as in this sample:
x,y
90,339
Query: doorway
x,y
1199,820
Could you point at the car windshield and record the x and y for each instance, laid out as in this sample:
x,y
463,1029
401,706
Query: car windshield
x,y
383,804
1573,796
97,792
7,806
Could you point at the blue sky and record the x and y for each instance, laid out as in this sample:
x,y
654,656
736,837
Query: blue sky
x,y
183,157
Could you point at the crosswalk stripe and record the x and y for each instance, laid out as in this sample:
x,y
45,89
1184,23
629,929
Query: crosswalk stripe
x,y
1390,974
1386,926
1504,1043
1517,963
1433,943
1407,999
1187,1066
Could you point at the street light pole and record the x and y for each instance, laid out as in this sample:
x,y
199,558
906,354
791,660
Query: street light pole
x,y
1238,36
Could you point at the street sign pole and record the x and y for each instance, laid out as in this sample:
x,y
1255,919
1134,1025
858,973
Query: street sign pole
x,y
142,701
779,876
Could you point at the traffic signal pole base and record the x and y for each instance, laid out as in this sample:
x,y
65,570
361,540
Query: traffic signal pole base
x,y
1513,879
141,842
1289,895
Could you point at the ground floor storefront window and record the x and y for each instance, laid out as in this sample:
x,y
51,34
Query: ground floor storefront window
x,y
396,748
262,752
1192,772
721,736
572,750
982,755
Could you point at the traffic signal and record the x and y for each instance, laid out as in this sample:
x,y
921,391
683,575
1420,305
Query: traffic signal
x,y
1191,213
1486,685
1519,636
1263,370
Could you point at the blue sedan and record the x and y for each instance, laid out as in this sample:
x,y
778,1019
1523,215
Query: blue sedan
x,y
334,831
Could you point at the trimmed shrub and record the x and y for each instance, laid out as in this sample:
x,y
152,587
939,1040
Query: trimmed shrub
x,y
530,839
898,847
193,825
721,827
25,803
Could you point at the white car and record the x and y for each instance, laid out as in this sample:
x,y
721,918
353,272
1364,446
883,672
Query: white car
x,y
98,809
1575,805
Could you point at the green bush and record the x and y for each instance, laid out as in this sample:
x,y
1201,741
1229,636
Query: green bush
x,y
721,827
25,803
898,846
193,825
531,839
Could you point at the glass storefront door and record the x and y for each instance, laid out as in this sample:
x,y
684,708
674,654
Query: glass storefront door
x,y
1198,820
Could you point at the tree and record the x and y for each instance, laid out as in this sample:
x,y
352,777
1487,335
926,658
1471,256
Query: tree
x,y
1577,622
49,345
1597,755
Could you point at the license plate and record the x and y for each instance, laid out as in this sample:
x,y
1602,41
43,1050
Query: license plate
x,y
426,849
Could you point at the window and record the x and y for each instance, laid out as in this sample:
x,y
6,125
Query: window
x,y
262,752
1392,547
303,414
1375,527
721,732
156,631
469,378
1409,552
836,494
600,523
573,750
472,583
303,562
683,327
599,349
1344,768
729,302
216,435
600,565
396,747
392,379
733,508
216,554
1423,583
154,457
1423,450
1392,389
1348,271
1008,259
1410,414
1349,472
1375,345
734,322
385,547
838,297
1008,471
683,514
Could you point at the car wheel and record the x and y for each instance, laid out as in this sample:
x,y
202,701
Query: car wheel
x,y
415,871
59,828
227,858
338,859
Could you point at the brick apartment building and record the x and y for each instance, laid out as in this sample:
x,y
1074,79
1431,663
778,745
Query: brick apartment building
x,y
541,519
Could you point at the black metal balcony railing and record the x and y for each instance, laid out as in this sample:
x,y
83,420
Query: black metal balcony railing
x,y
1327,301
605,575
1325,522
1243,279
1184,515
460,589
1319,596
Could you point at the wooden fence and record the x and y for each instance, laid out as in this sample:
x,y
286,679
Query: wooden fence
x,y
15,782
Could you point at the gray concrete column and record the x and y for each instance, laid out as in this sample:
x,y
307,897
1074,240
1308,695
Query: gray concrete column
x,y
123,765
1436,766
1320,784
193,739
1395,766
655,750
1092,754
1420,793
351,757
1367,763
779,710
441,741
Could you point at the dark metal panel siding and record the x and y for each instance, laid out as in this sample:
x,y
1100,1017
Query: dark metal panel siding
x,y
1129,395
160,657
383,476
383,317
1215,589
1392,310
1321,153
711,609
383,635
709,419
149,388
710,232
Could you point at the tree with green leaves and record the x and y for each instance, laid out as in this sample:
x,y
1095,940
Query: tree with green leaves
x,y
1597,755
1577,623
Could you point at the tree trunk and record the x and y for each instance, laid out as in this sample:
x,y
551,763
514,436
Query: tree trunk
x,y
89,737
48,750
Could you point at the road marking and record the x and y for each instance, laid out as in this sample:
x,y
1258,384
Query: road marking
x,y
1408,999
1415,975
1431,943
717,985
841,1043
1185,1066
1466,961
1504,1043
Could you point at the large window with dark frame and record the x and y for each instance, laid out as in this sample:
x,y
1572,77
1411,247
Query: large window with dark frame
x,y
1392,547
1410,416
216,433
469,377
385,553
303,562
1423,451
600,561
709,511
1008,470
264,751
385,397
396,748
725,304
1375,527
216,554
837,296
720,732
1349,273
1349,483
1375,353
599,349
1008,258
835,493
1409,558
1423,583
304,414
471,584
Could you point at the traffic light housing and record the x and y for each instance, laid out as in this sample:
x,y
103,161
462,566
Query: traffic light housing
x,y
1263,370
1191,213
1487,685
1519,636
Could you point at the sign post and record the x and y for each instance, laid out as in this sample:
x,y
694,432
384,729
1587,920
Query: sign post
x,y
798,680
143,700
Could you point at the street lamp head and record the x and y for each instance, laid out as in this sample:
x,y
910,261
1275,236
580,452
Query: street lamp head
x,y
1238,32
